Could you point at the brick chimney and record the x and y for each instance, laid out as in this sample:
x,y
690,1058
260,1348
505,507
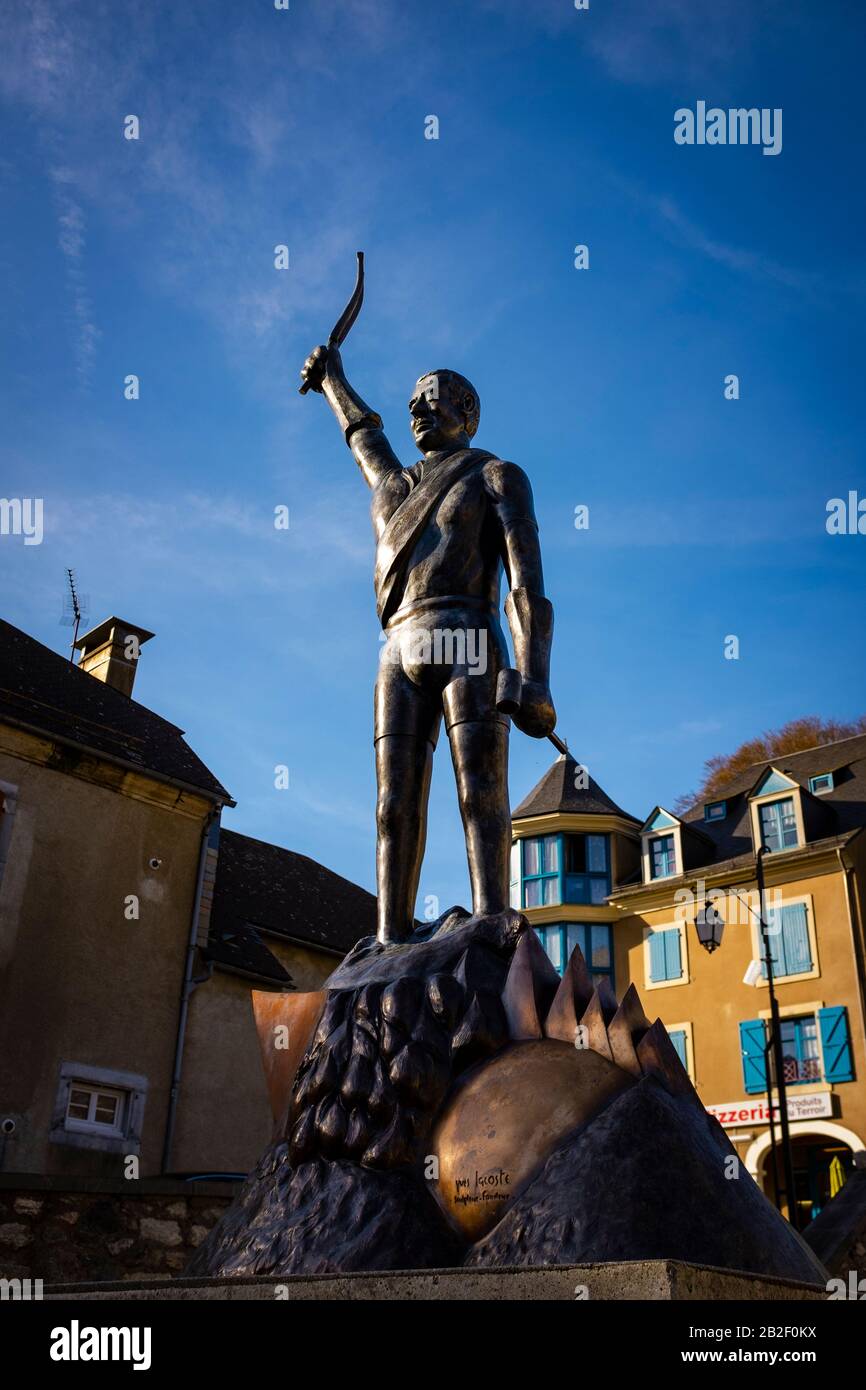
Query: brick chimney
x,y
110,652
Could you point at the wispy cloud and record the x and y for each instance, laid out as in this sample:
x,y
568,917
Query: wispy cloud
x,y
206,231
739,259
678,733
343,812
709,524
648,42
71,240
651,41
223,543
810,284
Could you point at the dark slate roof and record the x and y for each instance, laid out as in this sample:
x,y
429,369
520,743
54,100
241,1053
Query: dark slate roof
x,y
674,819
845,805
42,690
635,883
843,811
241,948
275,890
556,792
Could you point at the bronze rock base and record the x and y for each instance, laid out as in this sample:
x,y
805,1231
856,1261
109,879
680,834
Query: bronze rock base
x,y
455,1102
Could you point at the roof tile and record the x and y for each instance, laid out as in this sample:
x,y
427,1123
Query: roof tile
x,y
556,793
42,690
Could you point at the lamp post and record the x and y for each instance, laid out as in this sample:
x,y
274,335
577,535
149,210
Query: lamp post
x,y
775,1043
709,925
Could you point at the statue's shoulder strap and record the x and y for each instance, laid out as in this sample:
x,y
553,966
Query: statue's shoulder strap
x,y
405,525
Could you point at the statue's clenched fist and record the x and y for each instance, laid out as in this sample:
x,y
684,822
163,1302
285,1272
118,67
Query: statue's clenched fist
x,y
320,361
536,715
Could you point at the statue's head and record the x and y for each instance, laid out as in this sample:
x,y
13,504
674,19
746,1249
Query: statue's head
x,y
445,410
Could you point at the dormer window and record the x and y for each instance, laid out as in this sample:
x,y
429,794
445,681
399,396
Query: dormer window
x,y
715,810
663,856
822,784
661,845
777,812
778,824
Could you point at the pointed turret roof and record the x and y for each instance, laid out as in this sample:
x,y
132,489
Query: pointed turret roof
x,y
557,793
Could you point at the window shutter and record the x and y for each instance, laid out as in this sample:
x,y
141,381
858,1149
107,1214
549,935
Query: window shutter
x,y
752,1042
657,956
796,954
836,1044
673,954
776,944
678,1038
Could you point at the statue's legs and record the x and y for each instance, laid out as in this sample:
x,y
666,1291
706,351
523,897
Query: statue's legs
x,y
479,751
412,692
406,727
403,767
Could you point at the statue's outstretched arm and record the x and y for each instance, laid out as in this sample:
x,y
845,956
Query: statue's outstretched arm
x,y
361,426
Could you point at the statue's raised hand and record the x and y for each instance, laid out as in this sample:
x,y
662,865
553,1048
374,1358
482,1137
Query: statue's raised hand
x,y
314,369
322,362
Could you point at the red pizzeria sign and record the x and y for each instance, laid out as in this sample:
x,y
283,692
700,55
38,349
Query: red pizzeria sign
x,y
757,1112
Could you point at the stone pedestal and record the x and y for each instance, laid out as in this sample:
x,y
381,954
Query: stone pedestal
x,y
644,1280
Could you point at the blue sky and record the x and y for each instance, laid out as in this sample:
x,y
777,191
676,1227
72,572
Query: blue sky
x,y
306,127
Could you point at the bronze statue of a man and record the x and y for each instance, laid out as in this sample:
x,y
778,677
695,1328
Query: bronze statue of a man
x,y
445,527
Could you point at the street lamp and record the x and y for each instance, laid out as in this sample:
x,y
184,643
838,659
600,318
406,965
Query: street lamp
x,y
774,1043
709,926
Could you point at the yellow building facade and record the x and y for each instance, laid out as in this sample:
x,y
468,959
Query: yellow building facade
x,y
670,875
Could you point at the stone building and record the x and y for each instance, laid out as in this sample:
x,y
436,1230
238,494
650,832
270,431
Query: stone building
x,y
132,928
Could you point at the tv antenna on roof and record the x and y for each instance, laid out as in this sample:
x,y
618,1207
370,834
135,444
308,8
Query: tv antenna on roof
x,y
75,617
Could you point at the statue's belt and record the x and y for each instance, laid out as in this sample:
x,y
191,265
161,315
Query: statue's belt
x,y
439,603
400,536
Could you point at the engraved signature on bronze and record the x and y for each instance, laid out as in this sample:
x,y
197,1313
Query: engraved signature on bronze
x,y
484,1187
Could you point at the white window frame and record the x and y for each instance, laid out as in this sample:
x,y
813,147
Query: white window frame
x,y
792,793
758,943
685,977
647,855
690,1046
93,1126
804,1010
80,1134
822,791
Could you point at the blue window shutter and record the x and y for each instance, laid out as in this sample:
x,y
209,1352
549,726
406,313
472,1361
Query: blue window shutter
x,y
796,955
769,826
776,944
673,956
678,1038
836,1044
752,1042
657,956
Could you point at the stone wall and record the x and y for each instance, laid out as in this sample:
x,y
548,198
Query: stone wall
x,y
73,1232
